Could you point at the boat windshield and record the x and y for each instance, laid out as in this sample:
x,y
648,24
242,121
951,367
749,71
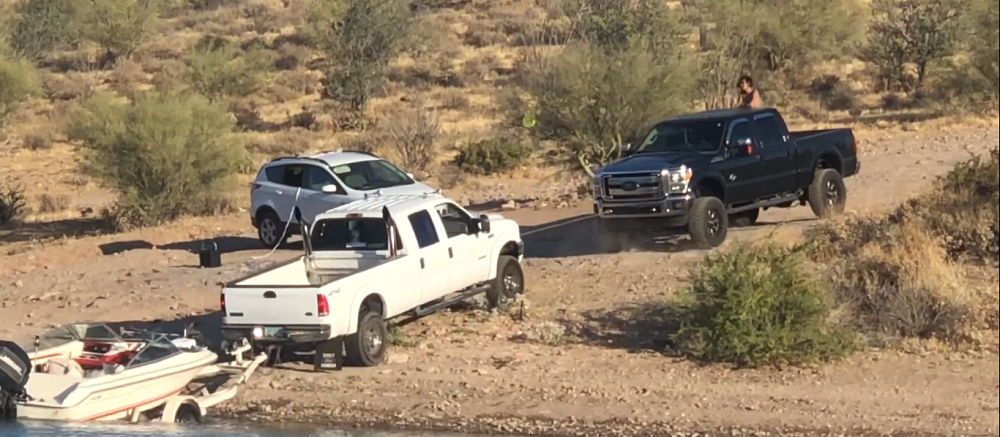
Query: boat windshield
x,y
158,349
77,332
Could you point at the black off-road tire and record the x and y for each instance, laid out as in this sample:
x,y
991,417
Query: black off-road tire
x,y
708,223
744,219
827,193
508,284
369,346
270,229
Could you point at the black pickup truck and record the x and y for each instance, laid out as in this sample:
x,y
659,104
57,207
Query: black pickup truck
x,y
704,172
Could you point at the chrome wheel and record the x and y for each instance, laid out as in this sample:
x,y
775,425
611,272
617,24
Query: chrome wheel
x,y
373,341
511,282
714,223
832,193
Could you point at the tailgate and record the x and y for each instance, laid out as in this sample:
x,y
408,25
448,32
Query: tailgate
x,y
274,306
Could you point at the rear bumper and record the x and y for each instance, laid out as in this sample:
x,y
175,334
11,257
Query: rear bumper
x,y
280,334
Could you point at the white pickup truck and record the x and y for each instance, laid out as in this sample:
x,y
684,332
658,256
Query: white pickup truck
x,y
368,262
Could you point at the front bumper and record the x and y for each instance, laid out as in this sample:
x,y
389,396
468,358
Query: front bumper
x,y
622,216
269,334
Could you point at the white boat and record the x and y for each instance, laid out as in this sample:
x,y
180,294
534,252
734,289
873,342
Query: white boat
x,y
87,372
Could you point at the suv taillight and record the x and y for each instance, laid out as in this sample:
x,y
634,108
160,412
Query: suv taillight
x,y
254,186
322,306
222,303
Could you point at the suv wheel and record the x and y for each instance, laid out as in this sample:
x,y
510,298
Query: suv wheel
x,y
708,223
827,193
270,229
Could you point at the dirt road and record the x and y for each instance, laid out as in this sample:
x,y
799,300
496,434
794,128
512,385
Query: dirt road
x,y
585,358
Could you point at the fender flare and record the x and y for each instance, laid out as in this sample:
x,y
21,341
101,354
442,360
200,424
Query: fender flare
x,y
713,177
502,241
359,297
173,405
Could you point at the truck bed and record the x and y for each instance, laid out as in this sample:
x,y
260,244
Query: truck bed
x,y
292,273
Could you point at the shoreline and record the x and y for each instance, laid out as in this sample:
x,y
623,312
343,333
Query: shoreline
x,y
526,426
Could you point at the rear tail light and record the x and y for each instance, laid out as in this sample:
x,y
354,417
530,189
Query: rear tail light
x,y
322,306
222,303
254,186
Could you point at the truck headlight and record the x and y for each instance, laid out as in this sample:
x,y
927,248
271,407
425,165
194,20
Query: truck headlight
x,y
676,181
598,189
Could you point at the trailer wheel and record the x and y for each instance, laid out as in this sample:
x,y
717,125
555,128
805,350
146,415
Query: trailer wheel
x,y
188,414
368,347
508,284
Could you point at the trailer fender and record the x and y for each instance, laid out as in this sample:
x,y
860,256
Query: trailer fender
x,y
182,409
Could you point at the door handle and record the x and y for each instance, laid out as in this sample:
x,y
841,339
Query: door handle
x,y
451,254
278,191
422,264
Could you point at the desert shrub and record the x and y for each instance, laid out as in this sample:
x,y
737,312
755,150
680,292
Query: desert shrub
x,y
495,155
48,203
13,202
618,26
120,26
164,154
413,136
43,26
208,5
897,280
589,100
986,43
917,33
360,38
217,70
18,81
759,305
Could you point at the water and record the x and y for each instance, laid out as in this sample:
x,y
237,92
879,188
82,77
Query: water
x,y
57,429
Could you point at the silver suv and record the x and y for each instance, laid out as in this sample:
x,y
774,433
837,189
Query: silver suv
x,y
317,184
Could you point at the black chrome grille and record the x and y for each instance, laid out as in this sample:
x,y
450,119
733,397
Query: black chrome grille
x,y
632,186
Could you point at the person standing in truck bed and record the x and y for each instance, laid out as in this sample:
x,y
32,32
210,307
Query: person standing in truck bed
x,y
749,97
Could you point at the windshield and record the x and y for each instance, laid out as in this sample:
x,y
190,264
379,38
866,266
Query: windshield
x,y
371,175
156,350
683,136
350,234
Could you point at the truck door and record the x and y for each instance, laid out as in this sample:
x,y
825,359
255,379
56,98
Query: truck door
x,y
779,173
432,252
469,253
741,172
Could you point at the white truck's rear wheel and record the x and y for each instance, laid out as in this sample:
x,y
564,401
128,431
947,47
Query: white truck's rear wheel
x,y
368,347
508,284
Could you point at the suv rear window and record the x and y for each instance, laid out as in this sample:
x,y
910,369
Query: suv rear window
x,y
351,234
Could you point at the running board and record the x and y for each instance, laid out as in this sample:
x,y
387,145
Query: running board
x,y
447,302
791,197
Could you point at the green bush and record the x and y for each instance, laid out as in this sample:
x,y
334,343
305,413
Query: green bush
x,y
18,81
616,26
921,33
590,100
495,155
165,154
758,305
360,38
217,70
120,26
43,26
986,43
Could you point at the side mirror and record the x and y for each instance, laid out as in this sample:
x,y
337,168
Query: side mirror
x,y
329,189
484,224
742,147
626,149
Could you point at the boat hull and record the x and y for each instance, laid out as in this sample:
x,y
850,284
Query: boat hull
x,y
116,396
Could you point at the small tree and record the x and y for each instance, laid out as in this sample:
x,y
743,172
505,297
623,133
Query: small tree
x,y
917,32
18,81
43,26
615,26
120,26
165,154
986,43
217,70
360,38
